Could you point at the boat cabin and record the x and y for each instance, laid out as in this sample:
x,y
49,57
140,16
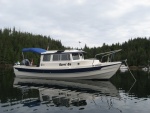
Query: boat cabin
x,y
62,58
62,55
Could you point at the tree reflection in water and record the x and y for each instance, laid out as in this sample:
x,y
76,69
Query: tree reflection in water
x,y
37,94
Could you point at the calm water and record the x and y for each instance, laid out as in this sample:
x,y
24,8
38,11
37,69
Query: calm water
x,y
120,94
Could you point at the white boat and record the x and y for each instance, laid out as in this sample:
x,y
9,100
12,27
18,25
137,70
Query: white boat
x,y
145,69
123,67
67,64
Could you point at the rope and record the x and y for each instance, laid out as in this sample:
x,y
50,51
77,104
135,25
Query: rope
x,y
129,69
131,74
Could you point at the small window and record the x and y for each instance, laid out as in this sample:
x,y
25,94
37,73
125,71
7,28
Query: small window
x,y
75,56
65,57
46,57
81,56
56,57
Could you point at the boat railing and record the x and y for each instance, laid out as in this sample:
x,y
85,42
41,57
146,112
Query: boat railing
x,y
108,54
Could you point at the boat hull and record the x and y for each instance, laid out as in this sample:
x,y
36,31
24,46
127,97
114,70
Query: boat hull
x,y
105,71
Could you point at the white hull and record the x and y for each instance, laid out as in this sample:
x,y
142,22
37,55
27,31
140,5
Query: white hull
x,y
106,71
123,67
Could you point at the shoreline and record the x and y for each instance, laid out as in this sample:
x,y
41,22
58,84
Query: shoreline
x,y
6,65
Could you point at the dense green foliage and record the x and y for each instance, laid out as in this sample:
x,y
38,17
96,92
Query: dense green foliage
x,y
136,51
12,42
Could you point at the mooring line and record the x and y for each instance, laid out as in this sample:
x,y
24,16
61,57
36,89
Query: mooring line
x,y
131,74
129,69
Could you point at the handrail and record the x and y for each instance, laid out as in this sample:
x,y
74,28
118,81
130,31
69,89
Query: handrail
x,y
115,51
106,54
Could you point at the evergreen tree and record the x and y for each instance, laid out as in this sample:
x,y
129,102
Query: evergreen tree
x,y
136,51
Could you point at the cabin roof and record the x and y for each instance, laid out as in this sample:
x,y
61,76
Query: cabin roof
x,y
43,51
63,51
34,50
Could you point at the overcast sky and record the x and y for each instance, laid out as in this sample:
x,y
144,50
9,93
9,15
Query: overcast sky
x,y
92,22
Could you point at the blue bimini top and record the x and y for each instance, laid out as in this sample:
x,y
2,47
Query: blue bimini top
x,y
35,50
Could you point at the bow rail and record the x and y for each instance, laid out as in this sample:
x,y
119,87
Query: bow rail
x,y
109,53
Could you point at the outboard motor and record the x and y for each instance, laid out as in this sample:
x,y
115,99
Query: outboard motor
x,y
25,62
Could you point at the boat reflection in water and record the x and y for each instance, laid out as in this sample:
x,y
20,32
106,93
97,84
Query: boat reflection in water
x,y
67,93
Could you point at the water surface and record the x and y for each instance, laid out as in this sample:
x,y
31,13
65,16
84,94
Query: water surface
x,y
120,94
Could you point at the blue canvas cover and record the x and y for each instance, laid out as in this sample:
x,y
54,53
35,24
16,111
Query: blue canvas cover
x,y
35,50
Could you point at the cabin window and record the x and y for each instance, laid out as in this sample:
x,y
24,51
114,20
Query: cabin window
x,y
65,57
46,57
81,56
58,57
75,56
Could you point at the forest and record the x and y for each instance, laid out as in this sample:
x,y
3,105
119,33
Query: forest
x,y
136,51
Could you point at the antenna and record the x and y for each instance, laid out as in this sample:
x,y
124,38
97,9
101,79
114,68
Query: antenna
x,y
79,45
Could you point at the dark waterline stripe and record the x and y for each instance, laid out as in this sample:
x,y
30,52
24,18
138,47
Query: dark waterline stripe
x,y
63,70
